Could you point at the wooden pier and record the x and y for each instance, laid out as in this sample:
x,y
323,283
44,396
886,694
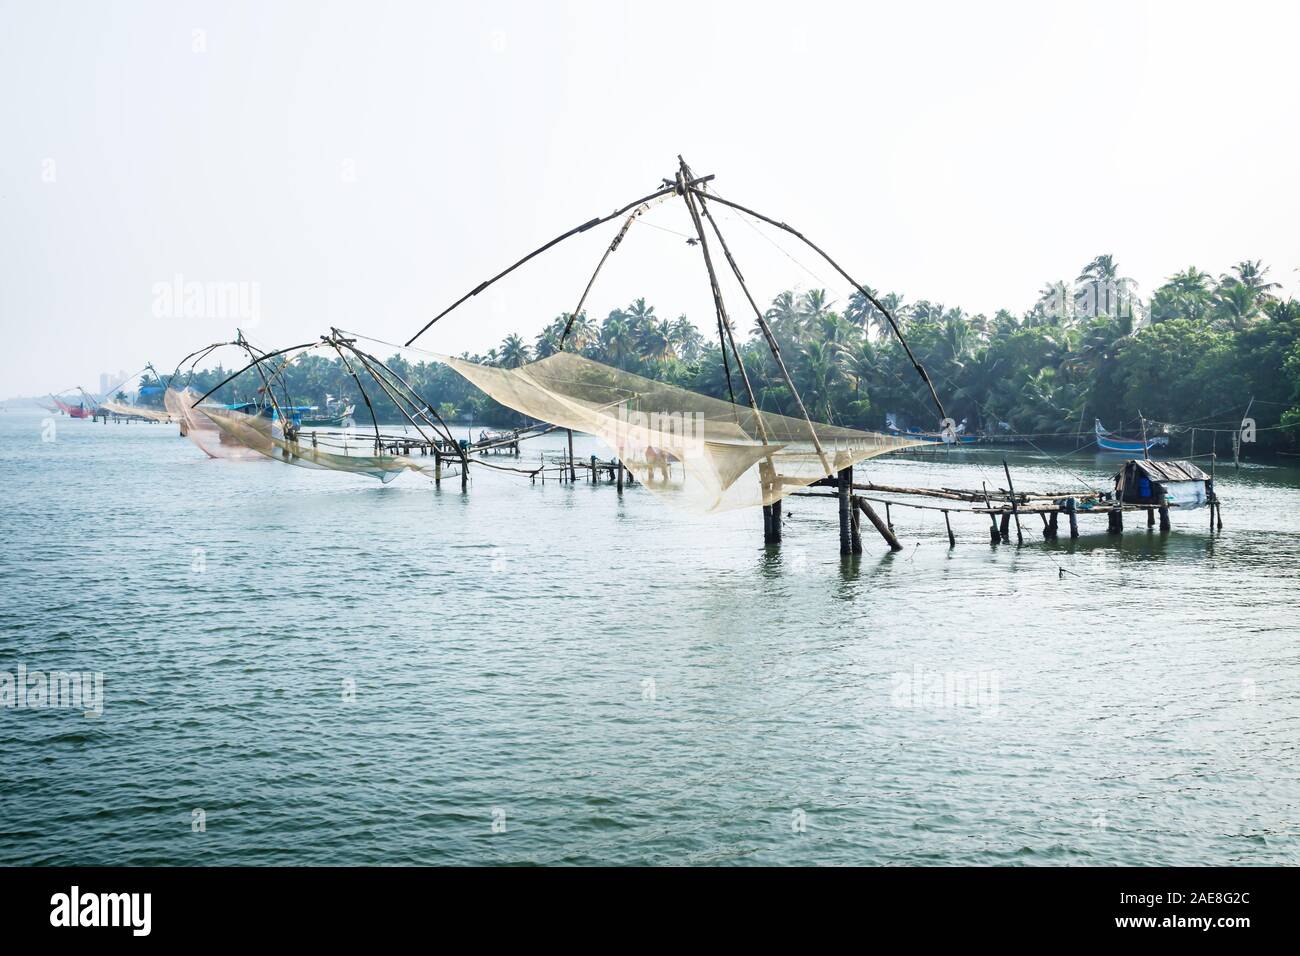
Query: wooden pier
x,y
1003,506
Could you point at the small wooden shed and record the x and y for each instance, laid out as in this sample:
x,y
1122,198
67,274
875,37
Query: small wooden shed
x,y
1162,484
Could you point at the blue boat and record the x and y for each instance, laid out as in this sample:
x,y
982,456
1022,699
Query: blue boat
x,y
1127,446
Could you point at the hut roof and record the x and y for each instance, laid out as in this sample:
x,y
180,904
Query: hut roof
x,y
1169,470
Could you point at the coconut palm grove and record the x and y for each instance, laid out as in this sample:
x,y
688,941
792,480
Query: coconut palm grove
x,y
1218,347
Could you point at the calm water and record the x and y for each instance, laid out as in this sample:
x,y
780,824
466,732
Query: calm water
x,y
609,681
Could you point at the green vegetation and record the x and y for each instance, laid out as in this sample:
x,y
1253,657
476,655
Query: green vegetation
x,y
1195,353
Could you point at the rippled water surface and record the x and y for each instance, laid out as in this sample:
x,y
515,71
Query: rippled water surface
x,y
552,674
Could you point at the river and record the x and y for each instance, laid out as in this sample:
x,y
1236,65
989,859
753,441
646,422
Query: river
x,y
308,667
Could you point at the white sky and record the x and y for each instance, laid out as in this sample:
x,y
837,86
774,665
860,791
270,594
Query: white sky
x,y
964,153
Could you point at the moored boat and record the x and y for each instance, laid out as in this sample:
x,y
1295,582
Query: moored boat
x,y
1107,441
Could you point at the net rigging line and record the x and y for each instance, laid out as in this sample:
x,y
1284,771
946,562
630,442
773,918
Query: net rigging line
x,y
599,220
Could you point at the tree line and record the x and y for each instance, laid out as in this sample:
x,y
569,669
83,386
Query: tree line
x,y
1197,352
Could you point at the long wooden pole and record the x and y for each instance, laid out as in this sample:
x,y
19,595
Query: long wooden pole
x,y
591,223
1020,537
766,329
721,307
865,292
885,531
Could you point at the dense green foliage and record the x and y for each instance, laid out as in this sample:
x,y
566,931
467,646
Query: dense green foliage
x,y
1196,352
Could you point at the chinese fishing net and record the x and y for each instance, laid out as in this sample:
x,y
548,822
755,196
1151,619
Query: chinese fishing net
x,y
198,427
328,450
700,453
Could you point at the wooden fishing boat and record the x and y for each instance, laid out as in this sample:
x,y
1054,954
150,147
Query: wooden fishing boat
x,y
1107,441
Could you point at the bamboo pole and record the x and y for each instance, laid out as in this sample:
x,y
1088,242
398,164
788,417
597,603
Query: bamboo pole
x,y
599,220
766,329
723,319
863,290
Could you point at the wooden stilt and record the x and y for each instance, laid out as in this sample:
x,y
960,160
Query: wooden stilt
x,y
1015,513
855,532
993,521
1164,519
572,475
437,468
845,489
885,531
1004,532
1072,509
619,467
952,541
1151,517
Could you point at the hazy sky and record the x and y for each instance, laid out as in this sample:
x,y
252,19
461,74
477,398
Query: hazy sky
x,y
362,164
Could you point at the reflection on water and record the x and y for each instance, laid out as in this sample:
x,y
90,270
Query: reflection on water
x,y
340,672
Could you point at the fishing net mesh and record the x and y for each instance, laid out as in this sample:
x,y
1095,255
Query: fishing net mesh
x,y
139,411
202,430
700,453
346,451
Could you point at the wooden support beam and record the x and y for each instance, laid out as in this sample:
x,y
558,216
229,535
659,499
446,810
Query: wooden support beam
x,y
845,486
1072,509
855,531
885,531
952,541
1164,519
993,522
1020,537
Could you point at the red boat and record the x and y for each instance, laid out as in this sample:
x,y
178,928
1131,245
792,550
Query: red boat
x,y
72,411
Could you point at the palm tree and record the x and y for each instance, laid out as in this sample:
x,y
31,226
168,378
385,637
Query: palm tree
x,y
1251,273
1055,301
655,341
513,352
639,315
1185,295
616,338
859,364
859,309
784,316
1235,304
1282,310
686,338
583,333
927,311
548,341
818,374
1101,275
813,304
